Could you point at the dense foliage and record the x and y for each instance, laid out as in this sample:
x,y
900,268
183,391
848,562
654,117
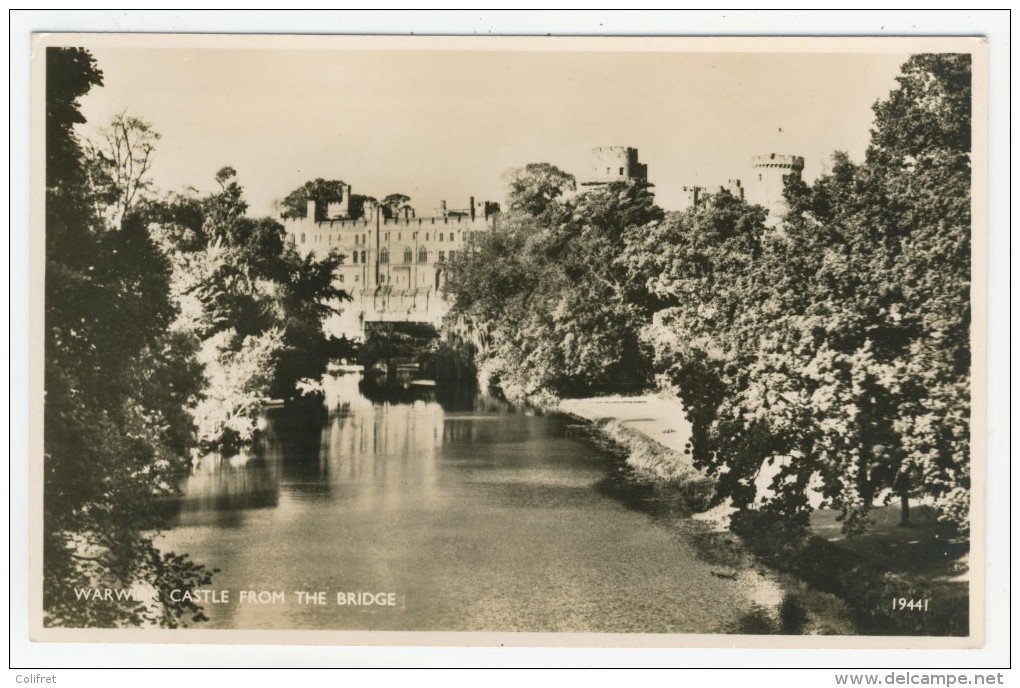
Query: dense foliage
x,y
825,359
254,306
836,349
326,191
118,383
169,324
322,191
554,307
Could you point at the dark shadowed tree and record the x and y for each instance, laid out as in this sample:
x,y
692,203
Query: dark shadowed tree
x,y
394,204
323,192
255,307
118,383
537,187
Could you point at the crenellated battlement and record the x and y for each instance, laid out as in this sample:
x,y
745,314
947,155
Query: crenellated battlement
x,y
458,221
615,164
777,160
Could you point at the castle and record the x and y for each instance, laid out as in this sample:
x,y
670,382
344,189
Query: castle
x,y
393,267
765,187
615,164
768,179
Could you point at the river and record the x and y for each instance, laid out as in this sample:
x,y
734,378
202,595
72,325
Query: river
x,y
466,514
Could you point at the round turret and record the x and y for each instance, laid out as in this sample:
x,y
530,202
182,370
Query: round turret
x,y
768,180
615,164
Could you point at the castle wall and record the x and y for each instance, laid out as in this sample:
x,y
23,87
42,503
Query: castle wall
x,y
693,195
392,268
616,164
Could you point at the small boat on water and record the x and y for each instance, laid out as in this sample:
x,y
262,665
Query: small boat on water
x,y
337,368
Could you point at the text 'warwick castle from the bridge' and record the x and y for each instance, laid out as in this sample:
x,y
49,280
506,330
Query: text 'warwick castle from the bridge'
x,y
394,266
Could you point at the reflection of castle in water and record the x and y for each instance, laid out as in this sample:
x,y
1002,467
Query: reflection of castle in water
x,y
382,453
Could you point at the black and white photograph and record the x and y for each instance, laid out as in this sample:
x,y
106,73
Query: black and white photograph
x,y
662,341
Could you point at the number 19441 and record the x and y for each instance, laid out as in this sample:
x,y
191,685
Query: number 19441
x,y
913,604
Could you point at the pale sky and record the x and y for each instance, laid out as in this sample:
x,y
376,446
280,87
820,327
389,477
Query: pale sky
x,y
447,125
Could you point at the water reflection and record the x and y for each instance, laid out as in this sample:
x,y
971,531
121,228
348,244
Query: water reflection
x,y
477,516
375,452
221,486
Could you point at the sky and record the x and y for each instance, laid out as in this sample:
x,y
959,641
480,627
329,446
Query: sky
x,y
446,125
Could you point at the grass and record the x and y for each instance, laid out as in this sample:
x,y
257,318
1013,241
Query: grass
x,y
871,571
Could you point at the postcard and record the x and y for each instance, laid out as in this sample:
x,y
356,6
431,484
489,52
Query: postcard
x,y
649,342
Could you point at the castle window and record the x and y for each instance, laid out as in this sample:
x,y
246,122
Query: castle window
x,y
452,254
302,237
384,255
363,257
442,256
759,177
621,171
355,254
408,254
608,170
440,236
423,255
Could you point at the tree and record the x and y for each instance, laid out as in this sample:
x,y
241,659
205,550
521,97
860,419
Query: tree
x,y
118,163
837,349
358,203
394,204
116,430
545,286
253,305
537,187
323,192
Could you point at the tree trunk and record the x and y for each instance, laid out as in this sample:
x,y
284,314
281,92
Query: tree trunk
x,y
904,510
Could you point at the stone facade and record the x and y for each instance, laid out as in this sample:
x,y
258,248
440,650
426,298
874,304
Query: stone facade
x,y
768,179
393,267
615,164
694,194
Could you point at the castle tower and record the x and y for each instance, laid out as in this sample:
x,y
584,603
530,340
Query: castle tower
x,y
768,179
615,164
340,210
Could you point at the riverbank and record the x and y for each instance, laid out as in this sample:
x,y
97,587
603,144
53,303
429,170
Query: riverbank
x,y
651,436
656,435
826,579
